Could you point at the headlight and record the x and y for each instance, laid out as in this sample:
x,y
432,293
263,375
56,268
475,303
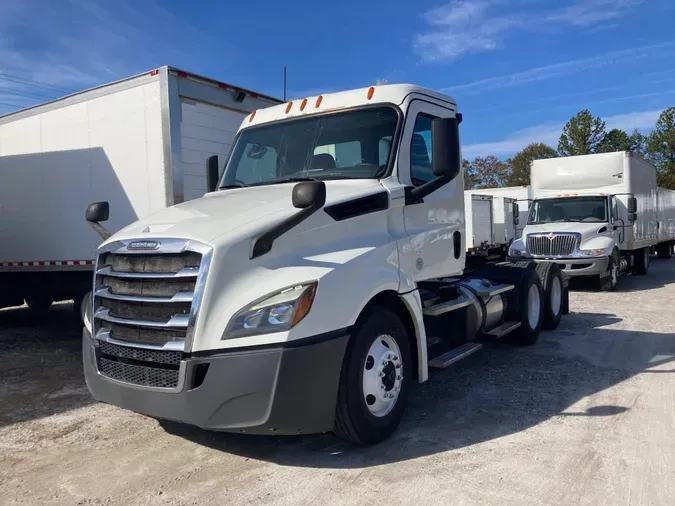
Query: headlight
x,y
515,253
275,313
591,252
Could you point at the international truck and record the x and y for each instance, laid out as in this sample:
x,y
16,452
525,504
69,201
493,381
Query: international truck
x,y
320,277
140,143
596,216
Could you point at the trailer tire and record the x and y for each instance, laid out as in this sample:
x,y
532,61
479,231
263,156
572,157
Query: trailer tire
x,y
554,293
39,303
530,310
664,251
363,415
641,262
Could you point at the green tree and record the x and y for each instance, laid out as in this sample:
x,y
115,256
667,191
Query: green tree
x,y
661,148
582,135
469,177
488,172
520,164
618,140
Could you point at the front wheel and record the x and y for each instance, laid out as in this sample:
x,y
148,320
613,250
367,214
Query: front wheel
x,y
609,280
375,378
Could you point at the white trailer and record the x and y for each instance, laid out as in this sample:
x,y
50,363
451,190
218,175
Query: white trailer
x,y
140,143
505,215
312,299
478,216
522,195
666,225
594,215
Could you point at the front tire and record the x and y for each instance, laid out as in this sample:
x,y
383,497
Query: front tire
x,y
375,379
610,279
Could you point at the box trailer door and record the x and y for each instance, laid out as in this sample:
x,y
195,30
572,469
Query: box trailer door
x,y
205,130
482,221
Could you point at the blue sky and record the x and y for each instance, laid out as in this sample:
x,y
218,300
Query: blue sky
x,y
518,68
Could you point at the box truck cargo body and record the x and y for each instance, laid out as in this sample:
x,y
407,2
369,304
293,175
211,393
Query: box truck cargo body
x,y
521,194
595,215
480,235
140,143
505,215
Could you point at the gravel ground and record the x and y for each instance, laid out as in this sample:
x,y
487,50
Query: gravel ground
x,y
586,416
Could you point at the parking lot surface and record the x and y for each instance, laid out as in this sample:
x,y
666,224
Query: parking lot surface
x,y
586,416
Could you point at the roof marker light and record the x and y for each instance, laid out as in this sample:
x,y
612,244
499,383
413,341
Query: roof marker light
x,y
371,90
303,104
318,101
288,107
252,116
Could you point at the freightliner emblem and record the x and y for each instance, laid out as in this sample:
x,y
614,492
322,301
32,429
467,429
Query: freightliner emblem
x,y
137,245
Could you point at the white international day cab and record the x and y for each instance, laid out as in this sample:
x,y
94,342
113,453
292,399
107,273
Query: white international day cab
x,y
319,278
139,143
597,216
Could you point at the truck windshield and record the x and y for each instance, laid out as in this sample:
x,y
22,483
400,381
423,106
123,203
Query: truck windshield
x,y
346,145
582,209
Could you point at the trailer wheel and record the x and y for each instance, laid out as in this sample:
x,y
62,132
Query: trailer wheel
x,y
664,251
530,311
39,303
641,262
375,378
554,293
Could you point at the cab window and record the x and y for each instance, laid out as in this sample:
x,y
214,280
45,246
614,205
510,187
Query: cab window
x,y
420,151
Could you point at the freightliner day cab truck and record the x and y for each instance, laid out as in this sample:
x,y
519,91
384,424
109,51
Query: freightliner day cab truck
x,y
598,216
319,280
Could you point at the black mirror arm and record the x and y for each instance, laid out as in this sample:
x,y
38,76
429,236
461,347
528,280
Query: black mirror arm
x,y
415,195
100,230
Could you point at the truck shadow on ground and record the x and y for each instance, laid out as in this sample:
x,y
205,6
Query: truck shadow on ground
x,y
497,392
40,364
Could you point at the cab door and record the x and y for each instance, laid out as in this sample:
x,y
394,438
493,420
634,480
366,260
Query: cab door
x,y
435,243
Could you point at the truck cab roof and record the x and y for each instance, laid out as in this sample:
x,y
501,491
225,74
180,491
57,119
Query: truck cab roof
x,y
329,102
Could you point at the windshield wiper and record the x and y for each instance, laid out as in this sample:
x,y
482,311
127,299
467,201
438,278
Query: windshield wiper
x,y
234,185
296,179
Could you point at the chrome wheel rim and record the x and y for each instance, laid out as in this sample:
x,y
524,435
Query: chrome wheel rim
x,y
533,306
382,376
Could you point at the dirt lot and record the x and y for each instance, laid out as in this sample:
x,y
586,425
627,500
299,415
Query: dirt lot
x,y
587,416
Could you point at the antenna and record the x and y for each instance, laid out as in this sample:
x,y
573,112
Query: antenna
x,y
284,83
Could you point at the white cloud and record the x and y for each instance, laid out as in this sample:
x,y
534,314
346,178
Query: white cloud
x,y
82,43
471,26
563,68
549,133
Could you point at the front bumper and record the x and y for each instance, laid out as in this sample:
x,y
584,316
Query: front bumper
x,y
291,390
574,267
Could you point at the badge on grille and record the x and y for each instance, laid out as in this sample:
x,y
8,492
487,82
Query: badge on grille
x,y
143,245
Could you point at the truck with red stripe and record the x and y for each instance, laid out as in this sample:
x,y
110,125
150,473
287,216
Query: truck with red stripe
x,y
140,143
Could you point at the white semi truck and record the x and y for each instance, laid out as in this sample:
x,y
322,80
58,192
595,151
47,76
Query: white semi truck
x,y
321,277
140,143
596,215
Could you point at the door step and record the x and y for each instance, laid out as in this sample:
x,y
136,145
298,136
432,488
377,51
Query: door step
x,y
502,330
446,307
452,356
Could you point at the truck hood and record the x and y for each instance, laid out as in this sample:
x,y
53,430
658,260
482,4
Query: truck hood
x,y
224,211
588,231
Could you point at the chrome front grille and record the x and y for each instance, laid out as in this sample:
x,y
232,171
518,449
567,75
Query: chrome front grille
x,y
552,244
145,307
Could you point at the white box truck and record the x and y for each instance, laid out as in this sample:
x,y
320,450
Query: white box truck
x,y
479,223
594,215
666,226
140,143
504,216
308,291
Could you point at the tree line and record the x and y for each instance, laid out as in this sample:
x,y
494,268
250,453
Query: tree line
x,y
582,135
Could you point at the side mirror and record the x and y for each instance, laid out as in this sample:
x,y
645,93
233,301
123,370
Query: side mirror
x,y
97,212
632,217
632,205
309,194
516,220
211,173
446,161
516,210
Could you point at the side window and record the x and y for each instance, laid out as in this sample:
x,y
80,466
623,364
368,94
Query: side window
x,y
345,154
420,151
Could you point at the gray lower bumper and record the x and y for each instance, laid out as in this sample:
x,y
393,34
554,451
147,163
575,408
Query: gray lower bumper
x,y
278,390
574,267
